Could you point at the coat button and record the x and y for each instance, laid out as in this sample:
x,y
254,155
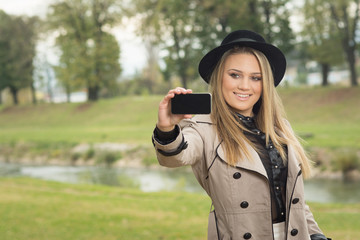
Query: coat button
x,y
244,204
237,175
247,235
295,200
294,232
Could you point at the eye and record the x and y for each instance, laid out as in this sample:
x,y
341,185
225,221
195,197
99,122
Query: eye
x,y
234,75
256,78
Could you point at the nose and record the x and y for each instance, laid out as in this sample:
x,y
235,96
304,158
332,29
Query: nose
x,y
244,84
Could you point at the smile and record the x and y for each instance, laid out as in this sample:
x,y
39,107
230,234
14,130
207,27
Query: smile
x,y
242,95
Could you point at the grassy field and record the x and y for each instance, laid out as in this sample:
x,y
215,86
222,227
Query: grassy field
x,y
327,118
128,119
330,116
38,210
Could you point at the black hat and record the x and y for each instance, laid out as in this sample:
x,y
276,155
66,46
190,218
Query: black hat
x,y
247,39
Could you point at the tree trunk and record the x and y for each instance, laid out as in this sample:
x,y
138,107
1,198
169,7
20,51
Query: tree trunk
x,y
33,94
14,92
348,37
93,93
184,81
325,68
68,93
350,53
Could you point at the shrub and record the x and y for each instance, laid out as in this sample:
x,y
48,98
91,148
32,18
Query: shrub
x,y
89,153
346,160
107,157
75,156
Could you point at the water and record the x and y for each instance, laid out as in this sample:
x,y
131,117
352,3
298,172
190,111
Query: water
x,y
152,180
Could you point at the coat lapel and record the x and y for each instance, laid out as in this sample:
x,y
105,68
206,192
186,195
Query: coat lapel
x,y
252,164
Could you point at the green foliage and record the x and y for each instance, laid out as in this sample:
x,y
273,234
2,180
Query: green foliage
x,y
330,32
324,43
107,157
89,153
346,160
89,52
186,30
75,156
17,50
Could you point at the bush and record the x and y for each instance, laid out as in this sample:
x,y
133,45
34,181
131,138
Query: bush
x,y
90,153
107,157
75,156
346,160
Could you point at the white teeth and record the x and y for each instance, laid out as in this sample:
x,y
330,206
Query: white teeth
x,y
242,95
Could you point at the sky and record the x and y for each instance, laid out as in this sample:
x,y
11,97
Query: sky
x,y
133,54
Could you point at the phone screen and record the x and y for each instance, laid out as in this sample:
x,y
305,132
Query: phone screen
x,y
195,103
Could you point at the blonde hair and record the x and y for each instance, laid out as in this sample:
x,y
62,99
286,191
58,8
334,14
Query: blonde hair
x,y
270,117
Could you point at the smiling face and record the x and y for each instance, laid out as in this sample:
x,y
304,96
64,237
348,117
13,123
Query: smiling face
x,y
242,82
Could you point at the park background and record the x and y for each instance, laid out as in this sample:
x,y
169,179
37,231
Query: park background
x,y
80,83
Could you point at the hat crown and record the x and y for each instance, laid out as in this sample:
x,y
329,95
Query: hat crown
x,y
242,36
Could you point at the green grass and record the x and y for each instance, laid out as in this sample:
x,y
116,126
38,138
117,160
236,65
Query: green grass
x,y
331,115
36,210
128,119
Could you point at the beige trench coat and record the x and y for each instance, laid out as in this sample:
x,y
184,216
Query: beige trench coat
x,y
241,194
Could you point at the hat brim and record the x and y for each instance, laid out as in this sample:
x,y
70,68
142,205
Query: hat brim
x,y
275,57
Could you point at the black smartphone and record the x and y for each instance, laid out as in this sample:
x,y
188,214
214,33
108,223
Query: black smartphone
x,y
194,103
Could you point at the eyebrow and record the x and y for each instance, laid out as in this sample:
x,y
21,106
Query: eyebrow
x,y
236,70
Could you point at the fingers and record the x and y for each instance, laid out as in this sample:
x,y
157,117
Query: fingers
x,y
167,120
178,90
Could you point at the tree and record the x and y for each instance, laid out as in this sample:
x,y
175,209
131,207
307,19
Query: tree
x,y
17,51
186,30
171,24
345,13
330,24
89,52
322,39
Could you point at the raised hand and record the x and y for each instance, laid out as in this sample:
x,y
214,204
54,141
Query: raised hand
x,y
167,120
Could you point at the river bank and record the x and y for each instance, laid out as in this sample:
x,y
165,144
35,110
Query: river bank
x,y
157,179
341,164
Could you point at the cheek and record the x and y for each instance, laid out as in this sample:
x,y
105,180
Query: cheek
x,y
227,84
258,87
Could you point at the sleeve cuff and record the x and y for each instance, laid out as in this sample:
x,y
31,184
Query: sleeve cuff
x,y
319,237
165,138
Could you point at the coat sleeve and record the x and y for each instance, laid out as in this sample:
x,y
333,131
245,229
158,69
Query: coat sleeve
x,y
314,230
186,149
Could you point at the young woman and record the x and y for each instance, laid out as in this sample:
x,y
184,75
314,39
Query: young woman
x,y
244,154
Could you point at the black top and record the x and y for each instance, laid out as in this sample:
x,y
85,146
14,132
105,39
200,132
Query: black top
x,y
274,166
269,155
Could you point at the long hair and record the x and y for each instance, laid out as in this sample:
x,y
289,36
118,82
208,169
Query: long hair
x,y
270,115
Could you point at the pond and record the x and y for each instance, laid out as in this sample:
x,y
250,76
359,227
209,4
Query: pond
x,y
163,179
